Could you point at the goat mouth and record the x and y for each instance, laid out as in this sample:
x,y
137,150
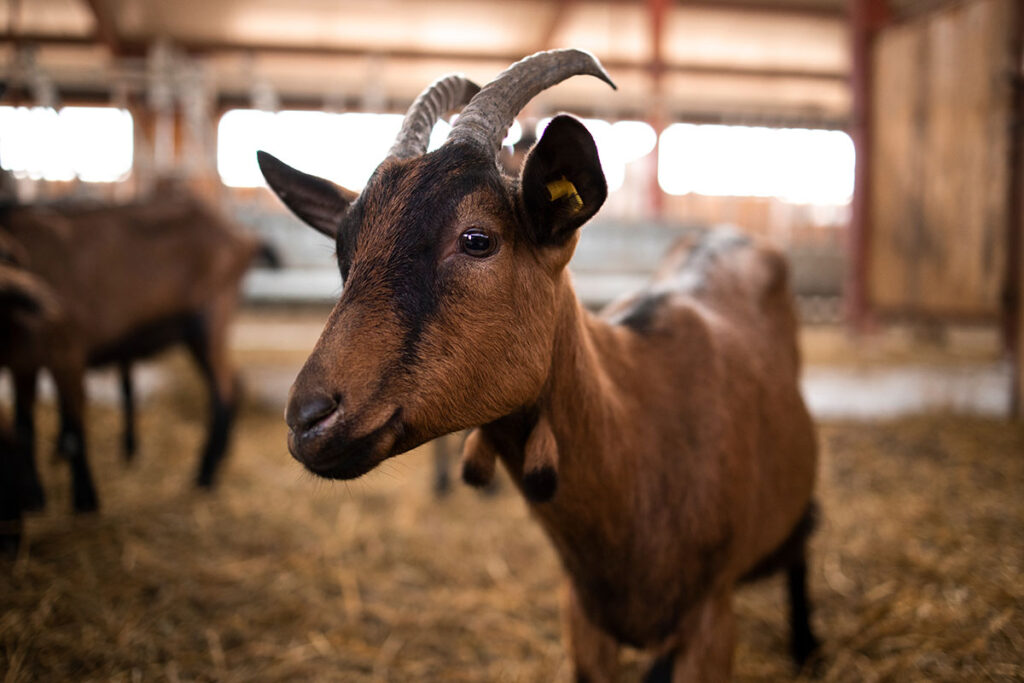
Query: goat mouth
x,y
343,457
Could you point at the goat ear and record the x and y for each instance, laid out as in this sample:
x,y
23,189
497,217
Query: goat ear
x,y
318,202
562,185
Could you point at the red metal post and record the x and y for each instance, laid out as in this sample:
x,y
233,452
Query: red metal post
x,y
867,17
656,113
1013,312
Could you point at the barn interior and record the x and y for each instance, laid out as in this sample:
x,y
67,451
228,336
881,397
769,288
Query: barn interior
x,y
877,143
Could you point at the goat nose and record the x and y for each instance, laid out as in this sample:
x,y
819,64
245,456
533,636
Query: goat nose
x,y
305,412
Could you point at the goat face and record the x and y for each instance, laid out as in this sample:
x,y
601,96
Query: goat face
x,y
446,319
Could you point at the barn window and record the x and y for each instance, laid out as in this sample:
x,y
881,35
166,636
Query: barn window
x,y
93,144
797,165
344,148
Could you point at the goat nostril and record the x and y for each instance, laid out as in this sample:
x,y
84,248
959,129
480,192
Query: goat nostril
x,y
305,412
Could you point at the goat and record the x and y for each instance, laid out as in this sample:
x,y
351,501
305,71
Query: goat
x,y
131,280
25,301
20,291
663,446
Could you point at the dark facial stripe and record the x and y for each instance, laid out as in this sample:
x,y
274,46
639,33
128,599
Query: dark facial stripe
x,y
418,290
403,243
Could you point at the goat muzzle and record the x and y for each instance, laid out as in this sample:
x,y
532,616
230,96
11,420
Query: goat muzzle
x,y
323,438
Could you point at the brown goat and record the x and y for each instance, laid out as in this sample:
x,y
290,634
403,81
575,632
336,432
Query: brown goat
x,y
130,281
663,445
25,301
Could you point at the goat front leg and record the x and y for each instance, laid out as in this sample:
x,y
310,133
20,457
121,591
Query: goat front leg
x,y
706,642
803,643
594,653
128,404
10,494
29,488
71,441
207,340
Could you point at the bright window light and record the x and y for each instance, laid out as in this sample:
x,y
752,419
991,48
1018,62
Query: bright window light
x,y
99,141
794,164
437,136
514,134
240,134
618,144
344,148
94,144
633,139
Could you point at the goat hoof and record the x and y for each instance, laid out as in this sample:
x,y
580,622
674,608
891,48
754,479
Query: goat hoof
x,y
539,485
86,502
475,474
804,649
205,481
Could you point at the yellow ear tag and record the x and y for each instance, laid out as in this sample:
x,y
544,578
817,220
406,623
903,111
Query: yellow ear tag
x,y
564,188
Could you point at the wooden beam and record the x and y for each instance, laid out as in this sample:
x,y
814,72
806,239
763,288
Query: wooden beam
x,y
788,7
823,10
867,17
44,39
137,48
213,47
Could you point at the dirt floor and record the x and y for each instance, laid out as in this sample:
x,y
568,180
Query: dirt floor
x,y
916,573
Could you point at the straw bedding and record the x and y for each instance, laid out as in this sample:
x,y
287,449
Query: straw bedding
x,y
916,571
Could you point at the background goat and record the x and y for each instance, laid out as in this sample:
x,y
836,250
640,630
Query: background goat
x,y
130,281
25,302
664,446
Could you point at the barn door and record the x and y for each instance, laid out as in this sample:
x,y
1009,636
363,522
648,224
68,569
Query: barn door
x,y
940,181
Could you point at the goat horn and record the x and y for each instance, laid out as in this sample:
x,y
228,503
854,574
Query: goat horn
x,y
443,95
484,122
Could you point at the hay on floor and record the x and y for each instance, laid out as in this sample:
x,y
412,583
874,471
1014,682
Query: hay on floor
x,y
916,569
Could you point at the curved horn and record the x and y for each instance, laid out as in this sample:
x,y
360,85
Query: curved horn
x,y
485,120
443,95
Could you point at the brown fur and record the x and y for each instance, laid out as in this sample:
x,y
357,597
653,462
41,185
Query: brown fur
x,y
685,456
673,424
10,510
128,280
478,459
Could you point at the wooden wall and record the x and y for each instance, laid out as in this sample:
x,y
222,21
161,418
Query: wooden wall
x,y
941,111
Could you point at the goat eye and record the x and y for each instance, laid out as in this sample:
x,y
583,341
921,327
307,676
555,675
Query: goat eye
x,y
476,242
